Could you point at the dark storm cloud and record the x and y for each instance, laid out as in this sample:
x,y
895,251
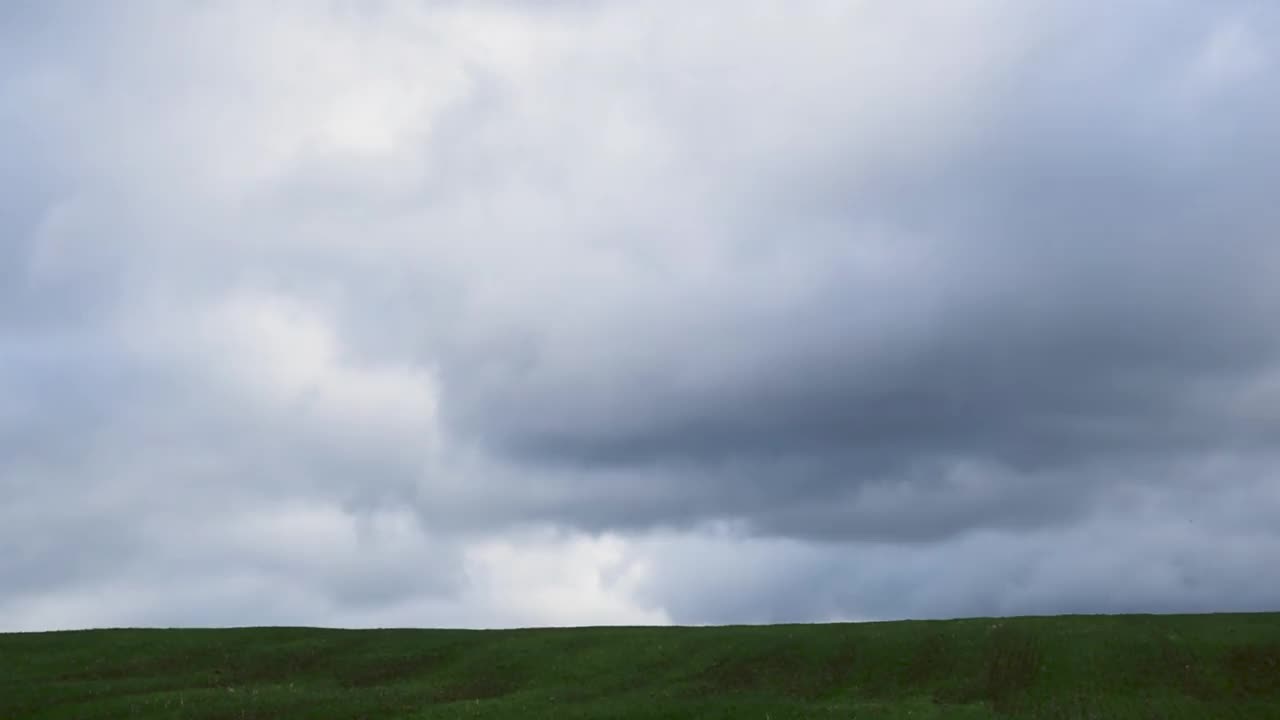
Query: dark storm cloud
x,y
1079,286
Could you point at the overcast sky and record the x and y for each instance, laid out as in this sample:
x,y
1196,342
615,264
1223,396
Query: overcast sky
x,y
587,312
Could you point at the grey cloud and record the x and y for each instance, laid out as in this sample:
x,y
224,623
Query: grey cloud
x,y
1085,280
885,290
1137,555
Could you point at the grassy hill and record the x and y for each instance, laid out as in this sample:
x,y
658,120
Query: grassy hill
x,y
1138,666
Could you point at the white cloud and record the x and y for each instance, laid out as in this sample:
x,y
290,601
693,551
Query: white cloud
x,y
539,578
1232,54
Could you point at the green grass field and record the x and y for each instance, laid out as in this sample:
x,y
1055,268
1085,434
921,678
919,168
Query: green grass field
x,y
1140,666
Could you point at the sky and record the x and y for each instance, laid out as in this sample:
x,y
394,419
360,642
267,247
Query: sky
x,y
494,314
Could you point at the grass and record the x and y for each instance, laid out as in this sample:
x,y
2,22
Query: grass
x,y
1060,668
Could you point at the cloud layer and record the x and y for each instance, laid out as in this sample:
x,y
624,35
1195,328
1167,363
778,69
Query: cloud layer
x,y
502,313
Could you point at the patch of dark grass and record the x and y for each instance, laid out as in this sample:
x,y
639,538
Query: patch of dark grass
x,y
1184,672
580,643
934,667
480,685
784,670
1254,670
484,679
842,665
933,659
1069,706
392,670
1011,664
246,667
741,674
107,667
1173,665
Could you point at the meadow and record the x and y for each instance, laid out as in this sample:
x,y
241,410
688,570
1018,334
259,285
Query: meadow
x,y
1067,667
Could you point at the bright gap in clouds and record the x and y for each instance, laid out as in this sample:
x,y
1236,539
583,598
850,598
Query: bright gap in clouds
x,y
503,314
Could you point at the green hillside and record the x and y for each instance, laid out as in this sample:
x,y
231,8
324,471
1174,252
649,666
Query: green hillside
x,y
1140,666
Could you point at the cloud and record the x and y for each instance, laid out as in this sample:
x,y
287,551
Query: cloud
x,y
1018,276
494,313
